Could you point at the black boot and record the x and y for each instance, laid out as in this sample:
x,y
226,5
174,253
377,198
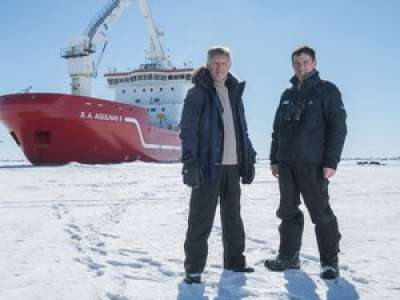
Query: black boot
x,y
282,263
330,272
243,269
192,278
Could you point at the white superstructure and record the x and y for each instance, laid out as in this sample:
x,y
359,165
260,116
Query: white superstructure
x,y
160,91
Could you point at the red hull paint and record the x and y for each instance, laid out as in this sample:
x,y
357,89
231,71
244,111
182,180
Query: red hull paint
x,y
60,128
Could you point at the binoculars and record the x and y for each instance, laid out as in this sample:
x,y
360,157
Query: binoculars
x,y
294,111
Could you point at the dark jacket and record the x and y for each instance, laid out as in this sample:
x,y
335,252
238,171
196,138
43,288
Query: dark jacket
x,y
201,125
310,124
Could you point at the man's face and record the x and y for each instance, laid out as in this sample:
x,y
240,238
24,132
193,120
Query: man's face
x,y
219,66
302,65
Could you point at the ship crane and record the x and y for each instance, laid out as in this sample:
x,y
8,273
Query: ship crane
x,y
156,56
82,67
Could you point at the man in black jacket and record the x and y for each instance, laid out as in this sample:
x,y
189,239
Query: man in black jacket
x,y
307,141
216,152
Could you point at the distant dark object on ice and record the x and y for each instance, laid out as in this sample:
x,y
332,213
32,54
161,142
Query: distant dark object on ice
x,y
370,162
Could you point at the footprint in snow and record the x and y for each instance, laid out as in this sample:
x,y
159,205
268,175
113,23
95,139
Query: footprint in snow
x,y
123,264
127,252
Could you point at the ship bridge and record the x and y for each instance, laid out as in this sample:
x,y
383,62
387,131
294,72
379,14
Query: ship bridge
x,y
160,91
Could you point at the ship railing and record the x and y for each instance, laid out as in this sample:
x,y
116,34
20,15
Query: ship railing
x,y
76,51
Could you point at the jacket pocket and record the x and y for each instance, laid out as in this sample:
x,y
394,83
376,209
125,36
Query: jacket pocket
x,y
313,116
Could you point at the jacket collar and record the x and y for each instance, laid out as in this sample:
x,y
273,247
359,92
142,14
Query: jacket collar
x,y
310,79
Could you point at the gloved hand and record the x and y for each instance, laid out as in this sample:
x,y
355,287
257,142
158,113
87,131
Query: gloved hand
x,y
250,174
192,175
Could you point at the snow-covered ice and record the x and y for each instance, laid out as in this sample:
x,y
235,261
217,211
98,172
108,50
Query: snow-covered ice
x,y
116,232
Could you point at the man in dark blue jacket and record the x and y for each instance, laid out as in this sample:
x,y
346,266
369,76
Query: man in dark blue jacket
x,y
307,141
216,152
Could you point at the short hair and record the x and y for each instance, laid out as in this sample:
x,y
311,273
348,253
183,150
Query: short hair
x,y
304,49
218,50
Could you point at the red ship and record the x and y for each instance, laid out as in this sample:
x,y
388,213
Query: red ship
x,y
60,128
142,123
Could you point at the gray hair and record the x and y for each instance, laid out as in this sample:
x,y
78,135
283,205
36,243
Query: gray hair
x,y
218,50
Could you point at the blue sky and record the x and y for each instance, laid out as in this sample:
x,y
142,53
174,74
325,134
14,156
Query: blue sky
x,y
357,44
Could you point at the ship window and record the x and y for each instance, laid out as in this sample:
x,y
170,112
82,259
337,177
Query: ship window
x,y
163,109
140,77
134,90
151,89
123,91
149,76
172,88
163,77
156,100
169,77
176,77
161,89
137,101
144,90
188,76
153,110
134,78
157,77
181,76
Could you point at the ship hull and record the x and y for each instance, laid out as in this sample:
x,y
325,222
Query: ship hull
x,y
54,129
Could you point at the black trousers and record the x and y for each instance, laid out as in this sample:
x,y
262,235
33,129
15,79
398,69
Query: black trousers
x,y
307,180
203,204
